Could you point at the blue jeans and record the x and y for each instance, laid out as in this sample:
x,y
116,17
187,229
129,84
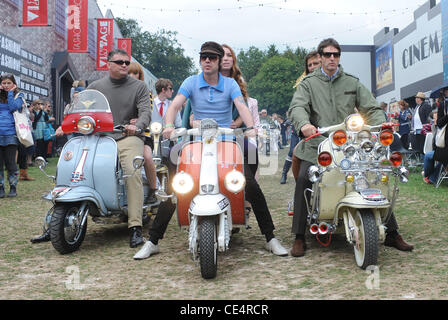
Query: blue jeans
x,y
431,171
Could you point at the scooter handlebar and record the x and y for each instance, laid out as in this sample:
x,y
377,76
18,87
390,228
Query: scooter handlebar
x,y
197,132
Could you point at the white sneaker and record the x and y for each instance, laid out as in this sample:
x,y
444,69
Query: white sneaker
x,y
148,249
276,248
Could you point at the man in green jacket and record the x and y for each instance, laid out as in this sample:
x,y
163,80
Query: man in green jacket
x,y
324,98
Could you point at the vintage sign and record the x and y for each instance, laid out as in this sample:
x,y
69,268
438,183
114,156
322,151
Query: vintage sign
x,y
77,26
105,42
34,13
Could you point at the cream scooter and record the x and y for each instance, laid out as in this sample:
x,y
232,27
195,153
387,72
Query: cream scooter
x,y
352,191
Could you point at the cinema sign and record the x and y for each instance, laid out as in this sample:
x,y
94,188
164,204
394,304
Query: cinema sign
x,y
424,49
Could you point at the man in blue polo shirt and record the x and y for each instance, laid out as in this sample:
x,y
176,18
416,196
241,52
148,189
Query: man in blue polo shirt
x,y
212,96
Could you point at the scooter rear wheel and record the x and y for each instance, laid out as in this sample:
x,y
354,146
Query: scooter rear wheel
x,y
66,232
367,252
208,247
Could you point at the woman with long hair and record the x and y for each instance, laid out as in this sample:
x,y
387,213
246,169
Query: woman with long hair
x,y
254,194
10,101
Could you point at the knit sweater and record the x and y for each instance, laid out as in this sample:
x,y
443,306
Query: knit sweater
x,y
128,99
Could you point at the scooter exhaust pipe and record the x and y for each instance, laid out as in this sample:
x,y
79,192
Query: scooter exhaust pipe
x,y
314,229
323,228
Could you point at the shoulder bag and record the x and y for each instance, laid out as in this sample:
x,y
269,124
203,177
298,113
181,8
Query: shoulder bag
x,y
23,129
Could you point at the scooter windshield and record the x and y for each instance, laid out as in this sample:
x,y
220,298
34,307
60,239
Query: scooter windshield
x,y
89,101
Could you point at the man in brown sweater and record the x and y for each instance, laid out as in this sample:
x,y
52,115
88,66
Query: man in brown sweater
x,y
128,99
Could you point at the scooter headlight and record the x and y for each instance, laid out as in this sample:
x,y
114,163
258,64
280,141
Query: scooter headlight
x,y
367,146
156,128
354,123
182,183
86,125
234,181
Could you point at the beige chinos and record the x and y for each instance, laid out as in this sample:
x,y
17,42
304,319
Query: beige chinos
x,y
129,148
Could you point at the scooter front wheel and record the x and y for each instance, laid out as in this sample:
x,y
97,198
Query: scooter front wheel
x,y
66,230
208,247
366,246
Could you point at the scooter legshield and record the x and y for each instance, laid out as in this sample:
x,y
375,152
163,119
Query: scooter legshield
x,y
189,162
229,157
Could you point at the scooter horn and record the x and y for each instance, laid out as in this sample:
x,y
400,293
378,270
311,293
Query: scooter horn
x,y
314,229
323,228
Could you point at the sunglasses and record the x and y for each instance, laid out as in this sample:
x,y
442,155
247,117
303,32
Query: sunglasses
x,y
329,54
211,57
121,62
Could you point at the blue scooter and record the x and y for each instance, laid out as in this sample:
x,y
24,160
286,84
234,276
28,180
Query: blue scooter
x,y
89,178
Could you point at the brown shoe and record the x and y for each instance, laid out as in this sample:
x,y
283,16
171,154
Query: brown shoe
x,y
298,248
398,243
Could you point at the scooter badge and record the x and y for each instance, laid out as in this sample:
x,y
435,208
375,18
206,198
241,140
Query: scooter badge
x,y
68,156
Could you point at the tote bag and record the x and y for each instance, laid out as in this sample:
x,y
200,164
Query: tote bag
x,y
23,129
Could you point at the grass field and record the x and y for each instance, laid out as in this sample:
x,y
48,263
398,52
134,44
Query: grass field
x,y
105,268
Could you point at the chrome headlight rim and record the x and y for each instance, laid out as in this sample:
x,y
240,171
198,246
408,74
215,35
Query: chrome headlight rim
x,y
349,151
85,125
182,183
380,151
235,181
364,135
367,146
314,174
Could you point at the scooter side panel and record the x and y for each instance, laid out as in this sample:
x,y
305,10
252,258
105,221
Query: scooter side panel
x,y
189,161
332,188
69,158
104,172
229,157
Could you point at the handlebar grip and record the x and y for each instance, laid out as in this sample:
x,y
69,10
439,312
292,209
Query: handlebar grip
x,y
313,136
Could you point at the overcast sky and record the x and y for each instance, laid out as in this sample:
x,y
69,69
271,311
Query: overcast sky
x,y
259,23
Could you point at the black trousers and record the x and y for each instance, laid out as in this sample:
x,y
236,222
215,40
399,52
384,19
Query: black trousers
x,y
299,221
42,148
8,161
21,158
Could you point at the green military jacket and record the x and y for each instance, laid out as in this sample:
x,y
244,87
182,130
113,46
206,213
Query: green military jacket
x,y
322,103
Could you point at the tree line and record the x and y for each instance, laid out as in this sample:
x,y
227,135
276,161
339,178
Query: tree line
x,y
270,74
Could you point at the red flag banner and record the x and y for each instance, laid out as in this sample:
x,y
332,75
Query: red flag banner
x,y
105,42
34,13
126,45
77,25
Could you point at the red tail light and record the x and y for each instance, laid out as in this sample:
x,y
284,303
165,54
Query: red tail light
x,y
324,159
396,158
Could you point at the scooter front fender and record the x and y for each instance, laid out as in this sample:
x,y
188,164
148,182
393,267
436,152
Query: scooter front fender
x,y
355,200
75,194
209,204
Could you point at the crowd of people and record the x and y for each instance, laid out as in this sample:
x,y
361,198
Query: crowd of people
x,y
416,123
13,154
219,92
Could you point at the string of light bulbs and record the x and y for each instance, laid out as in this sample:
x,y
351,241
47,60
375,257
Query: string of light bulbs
x,y
250,5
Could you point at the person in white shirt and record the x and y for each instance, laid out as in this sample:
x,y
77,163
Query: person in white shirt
x,y
421,117
164,88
